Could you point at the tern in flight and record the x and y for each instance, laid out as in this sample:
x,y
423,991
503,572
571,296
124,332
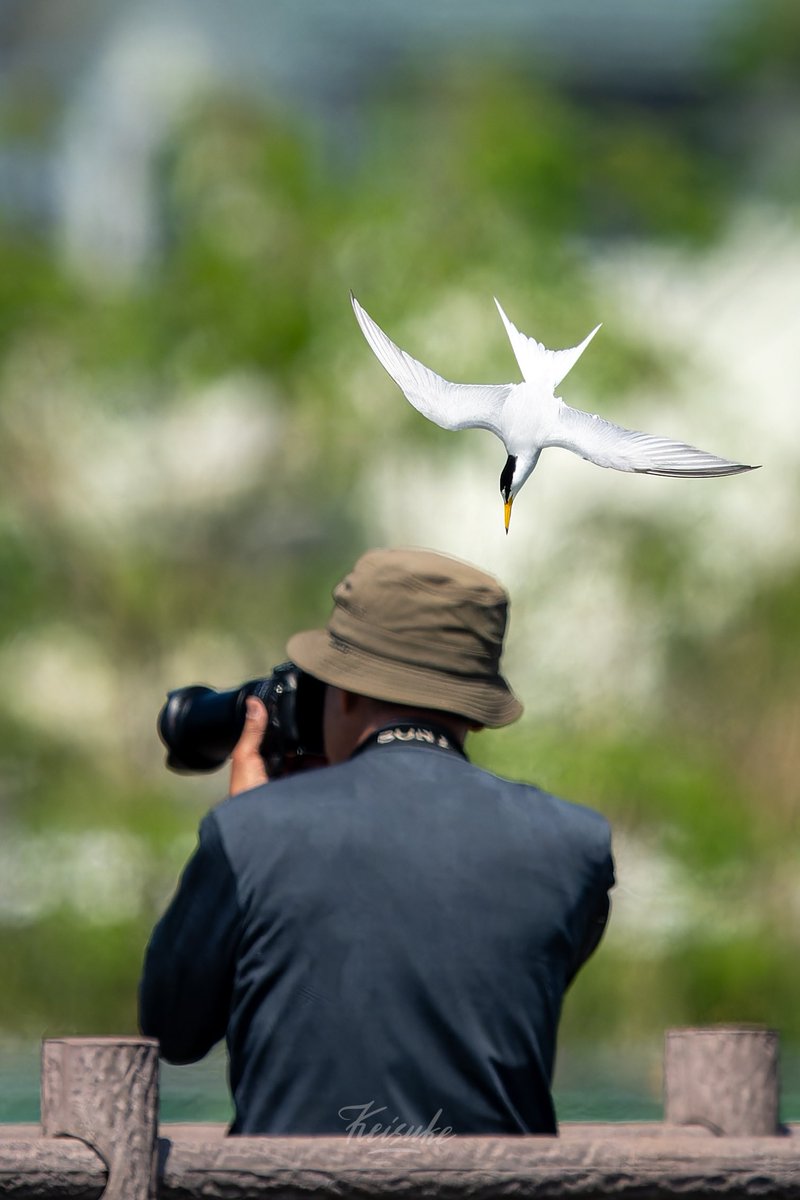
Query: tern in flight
x,y
528,416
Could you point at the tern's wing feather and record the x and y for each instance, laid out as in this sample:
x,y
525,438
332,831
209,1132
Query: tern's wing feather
x,y
610,445
538,364
450,405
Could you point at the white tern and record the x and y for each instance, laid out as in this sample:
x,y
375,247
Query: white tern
x,y
528,416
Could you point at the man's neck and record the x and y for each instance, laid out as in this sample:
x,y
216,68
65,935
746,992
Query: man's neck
x,y
455,727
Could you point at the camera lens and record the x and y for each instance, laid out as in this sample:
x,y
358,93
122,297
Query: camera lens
x,y
200,726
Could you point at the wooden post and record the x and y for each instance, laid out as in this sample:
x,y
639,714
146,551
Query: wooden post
x,y
725,1078
105,1092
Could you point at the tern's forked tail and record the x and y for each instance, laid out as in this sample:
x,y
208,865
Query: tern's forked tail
x,y
538,364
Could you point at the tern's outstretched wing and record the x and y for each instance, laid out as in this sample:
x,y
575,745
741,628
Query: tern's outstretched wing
x,y
451,405
610,445
539,365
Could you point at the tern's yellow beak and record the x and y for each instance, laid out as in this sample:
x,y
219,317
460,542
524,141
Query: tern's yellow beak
x,y
507,512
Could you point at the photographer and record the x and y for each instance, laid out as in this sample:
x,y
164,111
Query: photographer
x,y
385,940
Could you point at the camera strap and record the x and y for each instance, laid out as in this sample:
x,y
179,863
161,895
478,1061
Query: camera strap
x,y
420,733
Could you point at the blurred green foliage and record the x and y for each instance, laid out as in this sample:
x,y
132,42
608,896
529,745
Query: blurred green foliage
x,y
444,186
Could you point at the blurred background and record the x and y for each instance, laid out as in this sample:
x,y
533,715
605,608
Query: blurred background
x,y
196,442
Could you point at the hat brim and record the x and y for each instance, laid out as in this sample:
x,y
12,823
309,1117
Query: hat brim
x,y
488,702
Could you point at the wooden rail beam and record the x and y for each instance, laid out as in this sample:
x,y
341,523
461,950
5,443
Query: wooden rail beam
x,y
99,1138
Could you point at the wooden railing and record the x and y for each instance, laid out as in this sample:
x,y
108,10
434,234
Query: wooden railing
x,y
99,1136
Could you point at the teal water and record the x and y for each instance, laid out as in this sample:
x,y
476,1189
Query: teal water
x,y
607,1084
198,1092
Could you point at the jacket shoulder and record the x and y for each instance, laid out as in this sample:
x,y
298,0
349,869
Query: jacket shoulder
x,y
569,820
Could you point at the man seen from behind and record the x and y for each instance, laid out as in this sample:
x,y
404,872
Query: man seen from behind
x,y
391,934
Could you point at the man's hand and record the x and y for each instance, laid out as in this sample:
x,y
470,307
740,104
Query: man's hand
x,y
247,765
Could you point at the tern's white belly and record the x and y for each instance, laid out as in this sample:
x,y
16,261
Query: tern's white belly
x,y
528,419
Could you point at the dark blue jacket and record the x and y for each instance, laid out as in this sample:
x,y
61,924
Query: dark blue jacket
x,y
395,932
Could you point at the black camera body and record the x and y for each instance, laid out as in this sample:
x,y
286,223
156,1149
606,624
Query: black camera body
x,y
200,726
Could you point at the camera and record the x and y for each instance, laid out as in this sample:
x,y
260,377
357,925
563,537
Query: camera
x,y
200,726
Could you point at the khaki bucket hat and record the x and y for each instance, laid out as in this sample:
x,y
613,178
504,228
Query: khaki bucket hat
x,y
418,628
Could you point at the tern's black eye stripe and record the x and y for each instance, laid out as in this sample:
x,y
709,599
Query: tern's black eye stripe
x,y
507,475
